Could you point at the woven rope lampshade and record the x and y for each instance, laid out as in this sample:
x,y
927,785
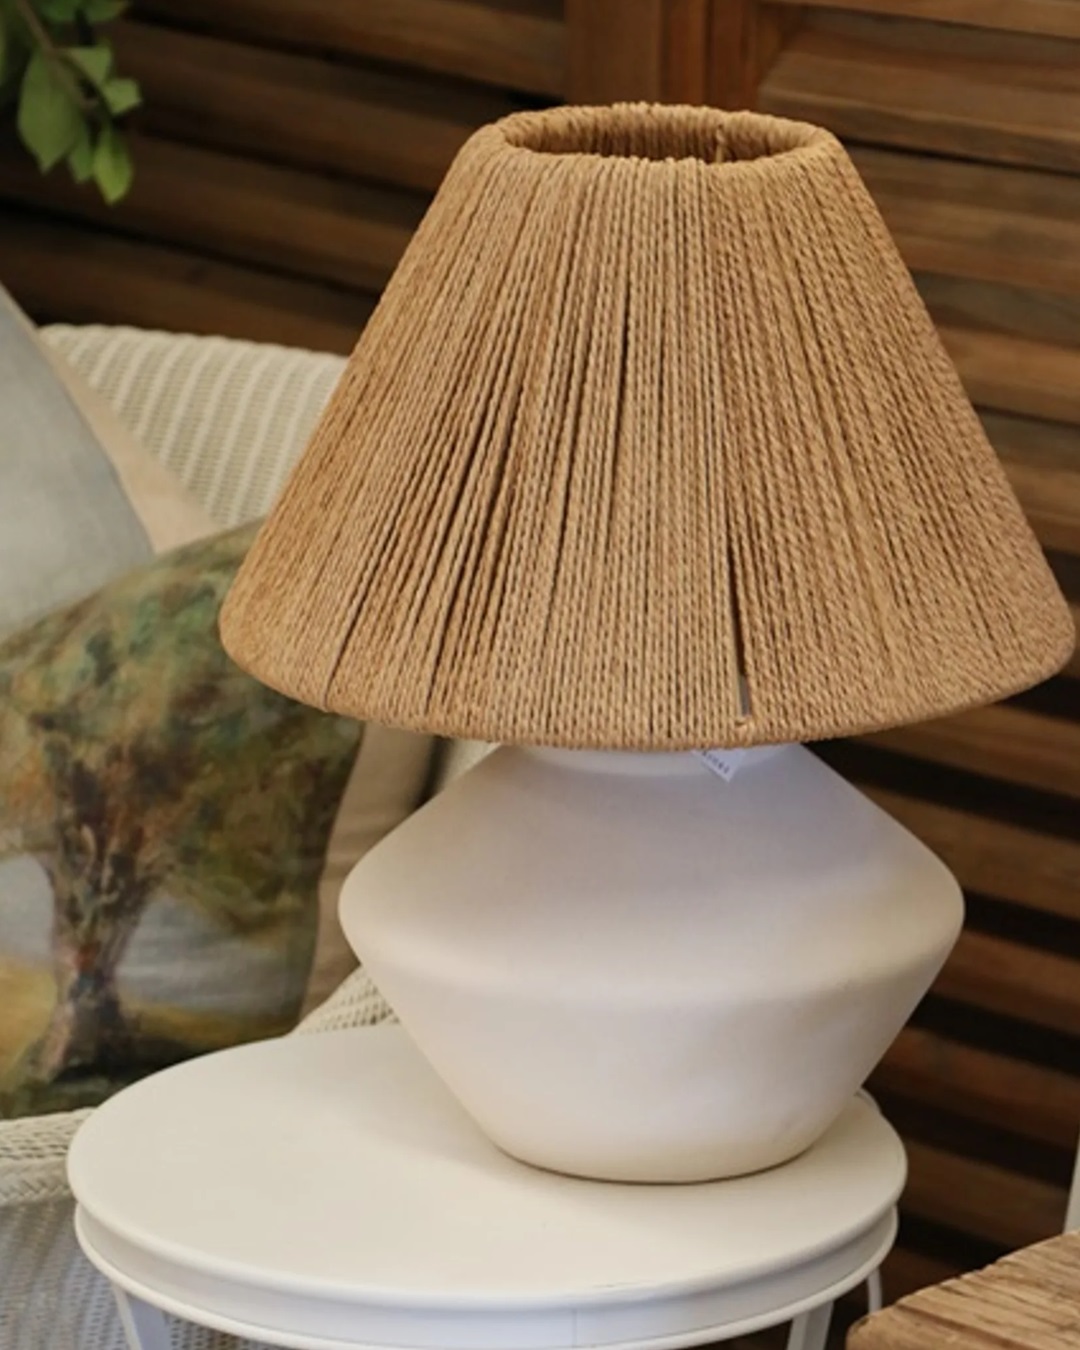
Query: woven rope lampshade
x,y
650,443
649,447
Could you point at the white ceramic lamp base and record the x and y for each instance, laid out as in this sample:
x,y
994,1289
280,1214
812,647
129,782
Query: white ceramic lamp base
x,y
626,968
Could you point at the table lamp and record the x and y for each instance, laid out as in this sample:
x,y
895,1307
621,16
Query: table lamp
x,y
650,449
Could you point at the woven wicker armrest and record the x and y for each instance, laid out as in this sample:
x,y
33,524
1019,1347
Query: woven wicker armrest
x,y
1029,1300
33,1157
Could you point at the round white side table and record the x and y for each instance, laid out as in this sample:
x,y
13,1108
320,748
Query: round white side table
x,y
326,1191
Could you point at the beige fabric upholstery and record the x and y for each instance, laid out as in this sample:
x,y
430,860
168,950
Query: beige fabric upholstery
x,y
228,417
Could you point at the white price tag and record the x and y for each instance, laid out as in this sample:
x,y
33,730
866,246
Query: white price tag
x,y
723,763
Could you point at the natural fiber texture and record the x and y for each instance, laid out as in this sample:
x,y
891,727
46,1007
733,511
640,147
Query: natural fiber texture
x,y
650,443
1029,1300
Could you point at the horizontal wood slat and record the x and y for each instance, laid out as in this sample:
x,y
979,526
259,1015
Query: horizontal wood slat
x,y
1035,1102
1014,980
401,128
1015,374
994,857
1002,741
517,44
315,226
1042,460
1051,501
1053,18
957,91
1018,311
983,221
1054,445
979,1198
62,271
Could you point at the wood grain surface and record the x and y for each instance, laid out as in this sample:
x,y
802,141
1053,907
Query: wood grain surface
x,y
397,126
62,271
1052,18
518,44
970,93
1028,1301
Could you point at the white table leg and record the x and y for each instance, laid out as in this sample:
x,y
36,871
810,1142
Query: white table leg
x,y
811,1330
146,1328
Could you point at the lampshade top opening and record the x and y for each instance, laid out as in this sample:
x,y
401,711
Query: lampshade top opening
x,y
641,131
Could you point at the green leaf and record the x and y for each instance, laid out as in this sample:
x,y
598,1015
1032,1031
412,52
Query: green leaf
x,y
49,119
121,96
101,11
57,11
113,169
81,156
93,62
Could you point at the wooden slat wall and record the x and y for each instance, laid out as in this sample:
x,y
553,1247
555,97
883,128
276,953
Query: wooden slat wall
x,y
289,147
964,118
517,43
286,152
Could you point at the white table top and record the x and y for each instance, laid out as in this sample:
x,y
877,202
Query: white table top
x,y
327,1190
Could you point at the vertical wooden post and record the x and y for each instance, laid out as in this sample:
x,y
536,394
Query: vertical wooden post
x,y
673,51
655,50
731,46
745,38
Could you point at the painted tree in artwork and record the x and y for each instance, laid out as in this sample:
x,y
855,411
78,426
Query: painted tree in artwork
x,y
136,757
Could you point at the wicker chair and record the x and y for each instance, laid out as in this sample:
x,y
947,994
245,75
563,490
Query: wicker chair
x,y
229,417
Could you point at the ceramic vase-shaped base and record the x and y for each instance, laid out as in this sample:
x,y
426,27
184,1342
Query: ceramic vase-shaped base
x,y
627,968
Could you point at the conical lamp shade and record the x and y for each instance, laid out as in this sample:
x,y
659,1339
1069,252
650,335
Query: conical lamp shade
x,y
650,443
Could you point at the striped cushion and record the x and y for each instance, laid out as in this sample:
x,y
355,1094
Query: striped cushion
x,y
228,417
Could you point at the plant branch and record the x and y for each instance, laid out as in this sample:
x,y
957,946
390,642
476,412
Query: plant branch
x,y
48,46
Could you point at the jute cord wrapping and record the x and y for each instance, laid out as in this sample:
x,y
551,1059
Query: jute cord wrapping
x,y
650,443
